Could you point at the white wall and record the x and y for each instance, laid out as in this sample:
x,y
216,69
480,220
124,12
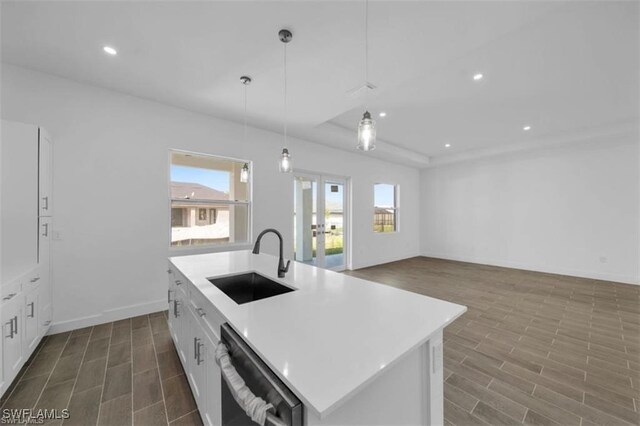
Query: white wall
x,y
111,190
570,209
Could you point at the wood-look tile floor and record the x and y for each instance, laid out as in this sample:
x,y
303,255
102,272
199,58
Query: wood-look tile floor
x,y
121,373
532,348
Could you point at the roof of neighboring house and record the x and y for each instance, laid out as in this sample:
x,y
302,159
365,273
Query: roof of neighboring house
x,y
195,191
383,210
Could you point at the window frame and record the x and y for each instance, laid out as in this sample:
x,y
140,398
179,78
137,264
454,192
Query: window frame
x,y
395,208
212,204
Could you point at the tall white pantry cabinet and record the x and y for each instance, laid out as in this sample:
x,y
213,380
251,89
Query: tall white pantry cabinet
x,y
25,255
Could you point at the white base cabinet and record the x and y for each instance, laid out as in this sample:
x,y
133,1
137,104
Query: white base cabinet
x,y
195,329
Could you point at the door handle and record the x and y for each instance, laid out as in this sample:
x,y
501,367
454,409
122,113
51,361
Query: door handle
x,y
175,308
33,313
46,229
168,296
46,203
195,348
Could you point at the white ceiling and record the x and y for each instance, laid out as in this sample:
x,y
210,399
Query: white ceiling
x,y
557,66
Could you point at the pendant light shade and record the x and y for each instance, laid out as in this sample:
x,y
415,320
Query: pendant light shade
x,y
244,173
367,133
286,166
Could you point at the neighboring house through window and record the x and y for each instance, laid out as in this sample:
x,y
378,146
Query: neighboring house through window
x,y
209,204
385,207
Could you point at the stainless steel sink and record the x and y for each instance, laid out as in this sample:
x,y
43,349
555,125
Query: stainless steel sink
x,y
249,287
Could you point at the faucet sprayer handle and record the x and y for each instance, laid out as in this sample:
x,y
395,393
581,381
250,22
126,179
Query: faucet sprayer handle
x,y
286,268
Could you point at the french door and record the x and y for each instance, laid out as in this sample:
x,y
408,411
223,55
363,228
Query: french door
x,y
320,217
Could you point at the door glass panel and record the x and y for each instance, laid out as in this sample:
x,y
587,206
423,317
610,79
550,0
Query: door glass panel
x,y
334,225
305,220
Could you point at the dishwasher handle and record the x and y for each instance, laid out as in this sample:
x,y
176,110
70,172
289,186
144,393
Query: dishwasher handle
x,y
255,407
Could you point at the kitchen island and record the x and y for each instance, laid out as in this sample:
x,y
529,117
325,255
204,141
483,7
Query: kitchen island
x,y
353,351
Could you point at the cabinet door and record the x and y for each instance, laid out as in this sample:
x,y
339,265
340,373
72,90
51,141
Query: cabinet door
x,y
45,294
19,203
45,175
31,323
211,409
182,327
195,360
171,296
44,245
12,355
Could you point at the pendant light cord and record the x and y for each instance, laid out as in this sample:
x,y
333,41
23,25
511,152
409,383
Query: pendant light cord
x,y
245,112
366,54
285,95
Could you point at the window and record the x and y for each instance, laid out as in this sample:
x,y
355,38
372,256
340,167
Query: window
x,y
209,204
385,207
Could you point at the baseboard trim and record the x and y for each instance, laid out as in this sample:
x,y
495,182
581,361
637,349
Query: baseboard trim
x,y
383,261
108,316
623,279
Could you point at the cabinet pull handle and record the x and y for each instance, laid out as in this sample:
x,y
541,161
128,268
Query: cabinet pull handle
x,y
46,203
15,330
201,312
169,296
46,229
198,351
9,296
195,348
175,308
169,271
33,313
10,324
178,282
33,280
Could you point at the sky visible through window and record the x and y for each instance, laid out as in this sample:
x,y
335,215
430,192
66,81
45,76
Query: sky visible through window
x,y
216,179
383,195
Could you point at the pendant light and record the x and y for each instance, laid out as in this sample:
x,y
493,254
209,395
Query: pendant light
x,y
366,127
285,164
244,172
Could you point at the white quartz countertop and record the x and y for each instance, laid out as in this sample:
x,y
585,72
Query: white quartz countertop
x,y
331,336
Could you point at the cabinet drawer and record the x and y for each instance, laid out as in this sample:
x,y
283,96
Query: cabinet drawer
x,y
207,315
32,280
181,283
10,291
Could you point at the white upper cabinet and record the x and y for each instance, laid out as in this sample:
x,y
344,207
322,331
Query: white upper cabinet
x,y
19,204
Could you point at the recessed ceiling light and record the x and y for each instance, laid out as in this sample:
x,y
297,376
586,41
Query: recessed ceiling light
x,y
526,128
110,50
383,114
478,76
447,145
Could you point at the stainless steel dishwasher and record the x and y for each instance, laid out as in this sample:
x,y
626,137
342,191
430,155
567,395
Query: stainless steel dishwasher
x,y
261,381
